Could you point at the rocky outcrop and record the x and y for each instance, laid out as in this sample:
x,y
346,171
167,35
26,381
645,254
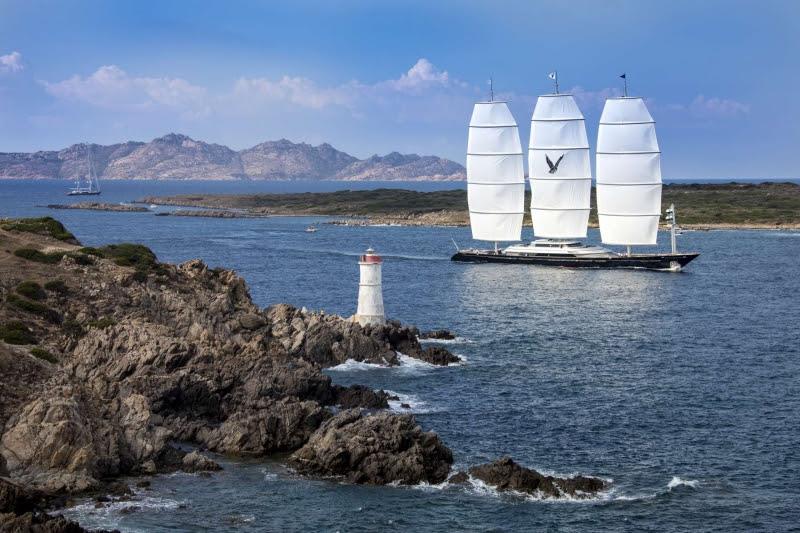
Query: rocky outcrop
x,y
377,449
21,511
176,156
101,206
506,475
151,353
197,462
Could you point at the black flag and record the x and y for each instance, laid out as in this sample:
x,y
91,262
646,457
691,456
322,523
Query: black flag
x,y
623,76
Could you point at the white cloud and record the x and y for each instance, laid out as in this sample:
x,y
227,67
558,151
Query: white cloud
x,y
300,91
11,62
717,107
421,76
112,88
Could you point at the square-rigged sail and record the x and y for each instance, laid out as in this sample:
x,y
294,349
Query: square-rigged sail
x,y
495,174
559,169
628,173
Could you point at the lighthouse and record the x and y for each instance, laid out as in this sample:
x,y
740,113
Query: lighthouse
x,y
370,293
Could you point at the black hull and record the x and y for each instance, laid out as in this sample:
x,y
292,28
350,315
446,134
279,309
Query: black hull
x,y
83,193
640,261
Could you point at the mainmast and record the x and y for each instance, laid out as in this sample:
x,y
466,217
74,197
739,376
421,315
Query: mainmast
x,y
495,173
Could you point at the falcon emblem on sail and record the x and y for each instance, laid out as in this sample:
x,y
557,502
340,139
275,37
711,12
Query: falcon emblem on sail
x,y
553,167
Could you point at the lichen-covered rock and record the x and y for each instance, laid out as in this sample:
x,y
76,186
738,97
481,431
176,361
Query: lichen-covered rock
x,y
505,474
374,449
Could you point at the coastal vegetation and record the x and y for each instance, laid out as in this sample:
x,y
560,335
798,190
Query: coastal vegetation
x,y
698,205
42,226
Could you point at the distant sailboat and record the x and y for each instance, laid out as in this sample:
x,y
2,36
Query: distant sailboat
x,y
88,185
628,189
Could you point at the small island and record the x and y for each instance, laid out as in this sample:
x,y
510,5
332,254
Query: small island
x,y
766,205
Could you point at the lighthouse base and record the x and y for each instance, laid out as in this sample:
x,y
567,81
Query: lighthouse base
x,y
372,320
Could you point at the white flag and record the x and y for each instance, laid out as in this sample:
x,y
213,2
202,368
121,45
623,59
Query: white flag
x,y
552,75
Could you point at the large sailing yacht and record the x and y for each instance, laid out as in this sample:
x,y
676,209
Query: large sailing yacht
x,y
628,186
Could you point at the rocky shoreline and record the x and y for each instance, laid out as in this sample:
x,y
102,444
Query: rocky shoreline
x,y
101,206
110,357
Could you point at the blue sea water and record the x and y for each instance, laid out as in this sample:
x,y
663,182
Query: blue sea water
x,y
684,389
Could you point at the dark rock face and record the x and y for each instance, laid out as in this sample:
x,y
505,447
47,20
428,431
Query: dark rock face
x,y
440,334
436,355
505,474
21,510
360,396
374,449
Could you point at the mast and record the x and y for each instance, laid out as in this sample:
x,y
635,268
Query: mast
x,y
559,168
628,173
495,173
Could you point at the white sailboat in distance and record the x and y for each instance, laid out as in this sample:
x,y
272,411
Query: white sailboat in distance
x,y
628,189
92,184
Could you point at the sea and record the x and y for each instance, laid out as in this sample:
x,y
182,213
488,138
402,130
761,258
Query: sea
x,y
682,389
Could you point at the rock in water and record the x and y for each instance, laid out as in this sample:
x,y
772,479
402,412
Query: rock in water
x,y
374,449
197,462
439,334
436,355
505,474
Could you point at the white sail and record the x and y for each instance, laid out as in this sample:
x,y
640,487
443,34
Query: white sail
x,y
561,188
495,174
628,173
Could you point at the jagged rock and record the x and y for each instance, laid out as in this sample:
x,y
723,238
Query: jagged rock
x,y
197,462
360,396
252,321
436,355
375,449
459,478
440,334
505,474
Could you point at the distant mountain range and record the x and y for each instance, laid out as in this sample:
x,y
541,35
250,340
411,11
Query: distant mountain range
x,y
176,156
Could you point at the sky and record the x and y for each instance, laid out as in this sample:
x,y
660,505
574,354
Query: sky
x,y
721,78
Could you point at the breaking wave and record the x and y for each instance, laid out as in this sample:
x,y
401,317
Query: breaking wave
x,y
408,365
415,405
457,340
680,482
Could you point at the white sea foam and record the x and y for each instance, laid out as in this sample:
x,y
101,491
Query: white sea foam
x,y
408,365
114,508
352,365
415,405
457,340
680,482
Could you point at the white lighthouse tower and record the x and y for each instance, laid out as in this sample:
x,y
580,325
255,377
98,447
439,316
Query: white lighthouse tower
x,y
370,293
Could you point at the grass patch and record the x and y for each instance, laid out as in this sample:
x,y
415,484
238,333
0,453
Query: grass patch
x,y
39,257
17,332
102,323
44,355
35,308
41,226
31,290
57,286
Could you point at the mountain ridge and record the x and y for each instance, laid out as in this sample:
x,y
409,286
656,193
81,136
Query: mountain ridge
x,y
175,156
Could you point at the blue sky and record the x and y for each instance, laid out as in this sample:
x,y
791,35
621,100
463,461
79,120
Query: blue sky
x,y
721,77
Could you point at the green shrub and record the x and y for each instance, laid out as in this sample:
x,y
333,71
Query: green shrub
x,y
81,259
17,333
34,308
44,355
88,250
140,275
102,323
32,290
72,328
40,257
57,286
41,226
133,255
